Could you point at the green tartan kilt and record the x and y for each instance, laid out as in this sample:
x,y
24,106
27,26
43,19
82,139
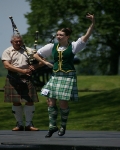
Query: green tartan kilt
x,y
19,92
62,86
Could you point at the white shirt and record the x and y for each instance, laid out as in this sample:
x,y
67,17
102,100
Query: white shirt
x,y
17,58
46,50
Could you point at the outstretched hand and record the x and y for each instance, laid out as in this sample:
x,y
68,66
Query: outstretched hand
x,y
91,17
90,29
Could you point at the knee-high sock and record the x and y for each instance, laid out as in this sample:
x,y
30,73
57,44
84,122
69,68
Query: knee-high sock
x,y
64,116
18,113
29,112
53,112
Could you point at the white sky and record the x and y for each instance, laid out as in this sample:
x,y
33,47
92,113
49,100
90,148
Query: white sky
x,y
16,9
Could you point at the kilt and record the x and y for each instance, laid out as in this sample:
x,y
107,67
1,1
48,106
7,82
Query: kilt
x,y
61,86
18,92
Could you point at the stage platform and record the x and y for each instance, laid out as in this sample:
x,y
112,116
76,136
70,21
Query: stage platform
x,y
72,140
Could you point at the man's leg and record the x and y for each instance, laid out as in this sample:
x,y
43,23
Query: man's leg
x,y
29,110
18,113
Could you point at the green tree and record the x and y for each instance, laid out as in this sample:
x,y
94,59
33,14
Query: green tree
x,y
103,48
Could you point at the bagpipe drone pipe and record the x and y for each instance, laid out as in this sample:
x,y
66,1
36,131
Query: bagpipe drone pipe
x,y
41,75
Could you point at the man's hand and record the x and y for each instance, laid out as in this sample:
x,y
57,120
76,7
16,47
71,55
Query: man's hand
x,y
27,72
32,67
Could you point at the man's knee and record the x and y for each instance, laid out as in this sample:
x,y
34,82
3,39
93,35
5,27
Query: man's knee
x,y
17,104
29,103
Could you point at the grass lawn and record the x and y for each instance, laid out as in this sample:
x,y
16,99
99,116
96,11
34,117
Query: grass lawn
x,y
94,111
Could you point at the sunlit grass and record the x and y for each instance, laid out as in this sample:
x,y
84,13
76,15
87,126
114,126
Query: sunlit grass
x,y
94,111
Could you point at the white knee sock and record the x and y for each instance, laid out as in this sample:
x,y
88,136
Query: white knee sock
x,y
18,113
29,112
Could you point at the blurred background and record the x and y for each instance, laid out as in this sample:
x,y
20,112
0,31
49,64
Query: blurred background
x,y
102,53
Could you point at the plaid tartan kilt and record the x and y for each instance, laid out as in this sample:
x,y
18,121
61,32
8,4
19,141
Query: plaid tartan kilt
x,y
62,86
19,92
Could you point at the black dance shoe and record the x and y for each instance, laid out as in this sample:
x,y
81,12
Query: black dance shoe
x,y
61,131
51,131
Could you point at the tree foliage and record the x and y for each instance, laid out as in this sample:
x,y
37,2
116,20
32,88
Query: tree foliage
x,y
47,16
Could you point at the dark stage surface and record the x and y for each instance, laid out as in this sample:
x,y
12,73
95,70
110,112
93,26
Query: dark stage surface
x,y
72,140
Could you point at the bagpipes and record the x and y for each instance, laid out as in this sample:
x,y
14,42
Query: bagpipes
x,y
31,59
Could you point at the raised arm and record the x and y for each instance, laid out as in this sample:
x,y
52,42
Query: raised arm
x,y
90,29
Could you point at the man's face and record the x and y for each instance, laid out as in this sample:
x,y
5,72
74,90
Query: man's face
x,y
17,42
